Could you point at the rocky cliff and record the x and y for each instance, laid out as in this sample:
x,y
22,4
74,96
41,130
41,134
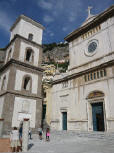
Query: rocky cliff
x,y
57,54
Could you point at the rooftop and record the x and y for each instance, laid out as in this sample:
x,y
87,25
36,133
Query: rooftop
x,y
90,22
27,19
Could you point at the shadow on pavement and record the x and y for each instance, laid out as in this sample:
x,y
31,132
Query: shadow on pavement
x,y
30,146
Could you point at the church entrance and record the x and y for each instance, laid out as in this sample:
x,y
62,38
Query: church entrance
x,y
64,120
98,116
96,111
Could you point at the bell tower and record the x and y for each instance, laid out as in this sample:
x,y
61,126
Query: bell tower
x,y
22,76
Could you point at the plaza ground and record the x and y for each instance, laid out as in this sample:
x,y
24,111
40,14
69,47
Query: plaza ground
x,y
5,145
74,142
68,142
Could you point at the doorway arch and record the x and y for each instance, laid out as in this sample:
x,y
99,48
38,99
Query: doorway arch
x,y
96,111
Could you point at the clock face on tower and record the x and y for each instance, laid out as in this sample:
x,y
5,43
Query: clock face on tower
x,y
91,47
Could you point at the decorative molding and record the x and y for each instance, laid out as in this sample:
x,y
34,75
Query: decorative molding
x,y
94,60
64,95
23,38
78,74
63,109
95,94
2,93
55,120
95,100
86,52
77,120
26,65
27,19
110,119
96,21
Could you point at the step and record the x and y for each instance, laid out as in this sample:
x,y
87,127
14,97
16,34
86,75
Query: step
x,y
99,135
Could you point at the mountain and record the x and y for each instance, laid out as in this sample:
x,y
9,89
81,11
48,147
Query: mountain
x,y
57,54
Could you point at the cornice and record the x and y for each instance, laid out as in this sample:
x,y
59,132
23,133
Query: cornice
x,y
75,75
18,94
13,61
23,38
96,21
94,60
27,19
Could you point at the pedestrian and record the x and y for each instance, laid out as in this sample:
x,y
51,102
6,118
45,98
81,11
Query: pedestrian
x,y
14,139
40,132
30,134
20,133
47,134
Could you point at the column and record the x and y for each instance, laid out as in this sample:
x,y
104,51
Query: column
x,y
26,124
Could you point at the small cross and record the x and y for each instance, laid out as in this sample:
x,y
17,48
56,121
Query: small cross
x,y
89,10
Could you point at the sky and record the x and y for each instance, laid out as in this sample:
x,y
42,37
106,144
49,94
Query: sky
x,y
59,17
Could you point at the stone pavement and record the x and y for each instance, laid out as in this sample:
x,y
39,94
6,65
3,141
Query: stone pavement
x,y
68,142
74,142
5,145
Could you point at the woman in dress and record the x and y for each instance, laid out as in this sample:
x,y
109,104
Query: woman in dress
x,y
14,139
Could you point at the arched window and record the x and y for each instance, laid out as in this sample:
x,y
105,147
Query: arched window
x,y
27,83
29,55
95,94
30,36
3,83
9,55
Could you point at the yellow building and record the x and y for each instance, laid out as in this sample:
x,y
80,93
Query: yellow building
x,y
46,104
49,72
49,69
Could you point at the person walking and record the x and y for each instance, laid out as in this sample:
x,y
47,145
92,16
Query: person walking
x,y
14,139
20,133
40,132
47,134
30,134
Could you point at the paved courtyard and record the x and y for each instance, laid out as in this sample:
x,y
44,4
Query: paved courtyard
x,y
5,145
74,142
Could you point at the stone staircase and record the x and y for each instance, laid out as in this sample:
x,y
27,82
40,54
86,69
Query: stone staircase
x,y
75,142
95,135
5,145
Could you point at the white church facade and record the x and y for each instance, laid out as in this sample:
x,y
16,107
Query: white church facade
x,y
83,98
21,75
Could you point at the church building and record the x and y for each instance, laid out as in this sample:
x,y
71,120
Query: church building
x,y
21,75
83,98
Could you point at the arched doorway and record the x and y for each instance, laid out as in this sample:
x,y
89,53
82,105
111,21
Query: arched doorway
x,y
96,111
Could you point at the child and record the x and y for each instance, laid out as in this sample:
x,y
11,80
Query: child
x,y
30,134
14,139
47,134
40,133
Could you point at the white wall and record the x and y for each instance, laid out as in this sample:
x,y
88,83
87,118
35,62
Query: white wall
x,y
1,105
23,28
19,79
111,32
20,104
15,30
105,41
73,99
7,51
76,103
23,47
